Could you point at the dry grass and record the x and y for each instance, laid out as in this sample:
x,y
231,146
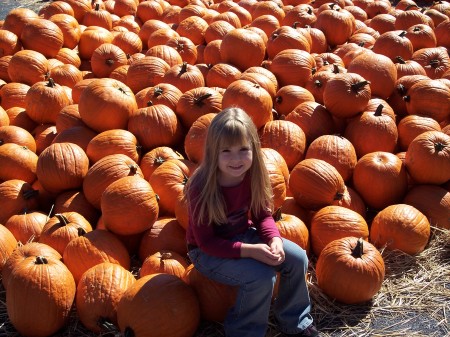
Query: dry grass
x,y
413,301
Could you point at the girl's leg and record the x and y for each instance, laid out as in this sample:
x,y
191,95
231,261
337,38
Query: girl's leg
x,y
249,316
292,305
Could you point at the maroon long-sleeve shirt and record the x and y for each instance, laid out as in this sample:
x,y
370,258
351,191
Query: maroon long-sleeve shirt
x,y
214,239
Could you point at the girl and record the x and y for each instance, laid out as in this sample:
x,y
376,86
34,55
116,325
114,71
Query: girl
x,y
233,239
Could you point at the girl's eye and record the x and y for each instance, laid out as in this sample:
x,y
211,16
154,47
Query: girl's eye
x,y
225,150
244,149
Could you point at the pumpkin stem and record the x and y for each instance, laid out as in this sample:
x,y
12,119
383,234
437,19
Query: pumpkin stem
x,y
434,63
400,60
278,99
62,219
81,231
159,160
358,86
157,91
338,196
407,98
41,260
51,83
150,103
402,33
277,215
318,83
401,89
361,44
133,169
106,325
439,146
128,332
336,69
379,110
199,100
358,251
183,68
109,62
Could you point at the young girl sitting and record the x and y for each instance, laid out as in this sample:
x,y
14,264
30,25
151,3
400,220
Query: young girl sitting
x,y
233,239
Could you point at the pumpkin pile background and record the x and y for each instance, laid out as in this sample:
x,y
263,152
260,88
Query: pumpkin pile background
x,y
104,107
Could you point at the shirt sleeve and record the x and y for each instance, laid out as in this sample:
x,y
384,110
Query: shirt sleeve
x,y
266,226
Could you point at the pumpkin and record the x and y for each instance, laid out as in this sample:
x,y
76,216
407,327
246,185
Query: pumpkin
x,y
335,150
16,196
114,102
215,298
171,298
98,293
62,166
23,251
164,261
314,183
427,158
287,138
337,24
16,19
18,162
75,201
155,157
335,222
292,228
412,126
17,135
433,201
290,96
92,248
61,228
372,130
43,36
7,245
28,67
129,205
402,227
313,118
156,125
168,181
165,234
242,39
194,141
163,93
380,178
107,57
184,76
252,98
27,226
69,27
47,281
350,270
146,72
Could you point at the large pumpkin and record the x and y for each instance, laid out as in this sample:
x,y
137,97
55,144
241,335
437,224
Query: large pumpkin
x,y
47,282
159,305
401,227
350,270
7,245
98,293
129,206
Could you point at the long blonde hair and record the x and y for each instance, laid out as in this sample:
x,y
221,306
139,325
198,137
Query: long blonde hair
x,y
231,126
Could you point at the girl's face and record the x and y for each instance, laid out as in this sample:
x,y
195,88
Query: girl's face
x,y
234,161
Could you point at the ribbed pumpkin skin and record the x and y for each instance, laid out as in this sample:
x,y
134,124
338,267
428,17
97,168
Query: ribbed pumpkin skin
x,y
98,293
15,196
347,278
215,298
335,222
433,201
49,284
129,206
62,166
7,245
92,248
22,252
380,178
27,226
294,229
159,305
314,184
428,158
401,227
164,261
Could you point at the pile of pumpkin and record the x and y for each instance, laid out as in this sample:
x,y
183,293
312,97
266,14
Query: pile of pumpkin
x,y
104,109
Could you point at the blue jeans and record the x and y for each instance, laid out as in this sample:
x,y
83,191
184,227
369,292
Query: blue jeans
x,y
255,280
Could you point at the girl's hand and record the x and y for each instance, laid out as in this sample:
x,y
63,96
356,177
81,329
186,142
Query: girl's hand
x,y
276,246
262,253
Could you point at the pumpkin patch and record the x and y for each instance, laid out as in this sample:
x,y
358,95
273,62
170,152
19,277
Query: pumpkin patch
x,y
104,109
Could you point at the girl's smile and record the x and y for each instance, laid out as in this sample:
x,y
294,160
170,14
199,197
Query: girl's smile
x,y
234,161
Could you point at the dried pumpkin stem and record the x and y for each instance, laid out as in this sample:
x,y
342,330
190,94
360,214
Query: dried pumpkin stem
x,y
439,146
379,110
62,219
358,86
41,260
358,251
199,100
